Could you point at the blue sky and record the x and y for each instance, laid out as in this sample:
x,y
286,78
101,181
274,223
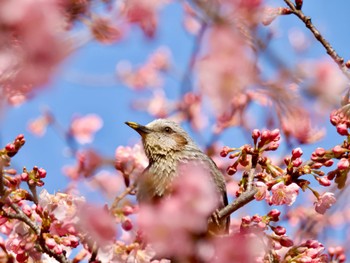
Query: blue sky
x,y
77,86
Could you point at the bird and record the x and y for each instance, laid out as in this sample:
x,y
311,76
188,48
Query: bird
x,y
166,145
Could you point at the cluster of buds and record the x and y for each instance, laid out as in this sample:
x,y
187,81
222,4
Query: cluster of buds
x,y
11,149
239,154
340,119
258,224
123,214
337,254
269,140
33,177
308,251
263,141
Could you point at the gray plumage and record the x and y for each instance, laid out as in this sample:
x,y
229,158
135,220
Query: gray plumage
x,y
167,145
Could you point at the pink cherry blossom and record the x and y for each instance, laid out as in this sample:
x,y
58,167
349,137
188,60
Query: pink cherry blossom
x,y
84,128
262,193
31,44
220,77
284,194
101,228
324,202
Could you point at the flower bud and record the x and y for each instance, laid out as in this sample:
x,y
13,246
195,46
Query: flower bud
x,y
343,164
342,129
296,153
286,242
280,231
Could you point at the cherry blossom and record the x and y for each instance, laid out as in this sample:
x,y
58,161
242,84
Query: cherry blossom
x,y
324,202
283,194
84,128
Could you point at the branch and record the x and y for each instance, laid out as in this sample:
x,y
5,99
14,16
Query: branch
x,y
330,50
241,201
120,197
186,80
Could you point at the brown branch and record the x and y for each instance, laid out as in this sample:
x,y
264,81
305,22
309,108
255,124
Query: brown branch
x,y
330,50
241,201
120,197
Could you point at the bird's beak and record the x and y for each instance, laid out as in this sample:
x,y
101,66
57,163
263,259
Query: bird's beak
x,y
142,130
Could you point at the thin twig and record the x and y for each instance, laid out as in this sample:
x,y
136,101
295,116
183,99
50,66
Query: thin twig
x,y
241,201
330,50
2,189
120,197
186,80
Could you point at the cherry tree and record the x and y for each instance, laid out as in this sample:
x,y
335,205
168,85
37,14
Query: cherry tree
x,y
260,114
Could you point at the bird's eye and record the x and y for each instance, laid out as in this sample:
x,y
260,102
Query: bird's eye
x,y
168,130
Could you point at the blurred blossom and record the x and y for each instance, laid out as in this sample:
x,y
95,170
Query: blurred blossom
x,y
87,163
324,202
169,226
283,194
262,192
84,128
101,229
220,77
324,81
31,44
144,13
148,74
38,126
238,248
107,183
298,40
131,159
190,21
105,31
297,124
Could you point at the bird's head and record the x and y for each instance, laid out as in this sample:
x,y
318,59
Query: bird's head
x,y
162,137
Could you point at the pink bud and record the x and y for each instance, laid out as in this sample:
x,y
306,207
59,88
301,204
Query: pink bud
x,y
328,163
10,147
50,243
246,219
338,150
324,181
231,170
127,224
273,146
297,162
275,135
265,135
334,119
280,231
256,134
24,176
274,215
127,210
286,242
42,173
225,151
343,164
316,165
342,129
296,153
320,152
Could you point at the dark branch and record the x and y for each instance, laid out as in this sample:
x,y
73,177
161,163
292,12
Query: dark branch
x,y
330,50
241,201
